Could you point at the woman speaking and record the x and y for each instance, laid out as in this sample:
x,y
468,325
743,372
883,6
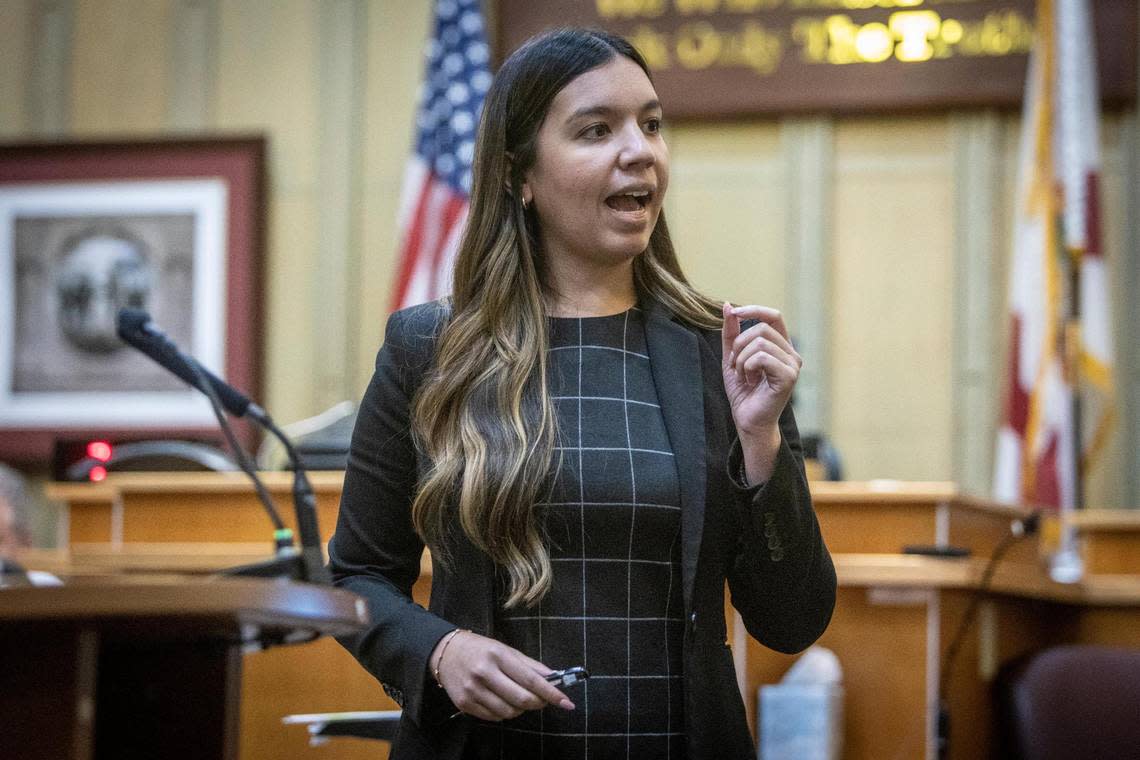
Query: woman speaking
x,y
589,448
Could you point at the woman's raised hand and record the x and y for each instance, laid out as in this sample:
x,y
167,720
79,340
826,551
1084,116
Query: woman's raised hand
x,y
490,680
760,369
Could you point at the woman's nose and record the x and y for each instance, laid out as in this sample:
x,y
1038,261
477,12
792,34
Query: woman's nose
x,y
635,148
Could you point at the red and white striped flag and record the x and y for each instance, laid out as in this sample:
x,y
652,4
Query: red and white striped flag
x,y
1056,233
437,182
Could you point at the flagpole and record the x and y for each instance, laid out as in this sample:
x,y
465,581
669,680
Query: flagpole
x,y
1073,359
1066,564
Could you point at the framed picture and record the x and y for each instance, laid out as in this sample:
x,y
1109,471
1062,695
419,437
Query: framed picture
x,y
172,227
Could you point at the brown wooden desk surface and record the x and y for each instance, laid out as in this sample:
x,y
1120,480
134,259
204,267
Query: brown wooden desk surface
x,y
275,481
894,615
899,571
124,597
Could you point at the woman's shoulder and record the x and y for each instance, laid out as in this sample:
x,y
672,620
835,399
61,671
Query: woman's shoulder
x,y
418,325
411,333
425,318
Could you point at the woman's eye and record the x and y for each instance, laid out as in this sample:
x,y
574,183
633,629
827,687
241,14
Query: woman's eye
x,y
653,126
596,130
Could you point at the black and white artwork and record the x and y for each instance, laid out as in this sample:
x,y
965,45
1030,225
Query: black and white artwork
x,y
71,256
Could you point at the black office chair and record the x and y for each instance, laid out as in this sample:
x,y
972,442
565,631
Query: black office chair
x,y
1067,702
818,448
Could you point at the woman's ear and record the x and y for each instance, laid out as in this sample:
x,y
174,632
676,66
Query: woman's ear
x,y
526,195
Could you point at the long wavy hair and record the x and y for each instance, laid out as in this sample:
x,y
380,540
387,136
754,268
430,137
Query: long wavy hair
x,y
483,415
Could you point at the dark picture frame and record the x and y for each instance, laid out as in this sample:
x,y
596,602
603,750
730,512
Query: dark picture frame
x,y
201,198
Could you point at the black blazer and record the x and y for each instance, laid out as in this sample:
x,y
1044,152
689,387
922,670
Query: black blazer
x,y
763,539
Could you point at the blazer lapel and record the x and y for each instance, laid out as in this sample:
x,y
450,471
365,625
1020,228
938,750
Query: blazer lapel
x,y
674,358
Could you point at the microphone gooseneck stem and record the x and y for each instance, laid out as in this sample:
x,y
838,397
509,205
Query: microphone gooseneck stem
x,y
305,505
971,611
239,453
1019,529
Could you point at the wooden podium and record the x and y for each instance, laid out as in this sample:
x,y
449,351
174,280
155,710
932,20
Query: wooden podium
x,y
145,667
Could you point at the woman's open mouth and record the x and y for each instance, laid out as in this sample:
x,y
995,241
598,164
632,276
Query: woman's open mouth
x,y
633,201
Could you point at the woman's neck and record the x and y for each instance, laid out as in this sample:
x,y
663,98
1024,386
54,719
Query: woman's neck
x,y
591,293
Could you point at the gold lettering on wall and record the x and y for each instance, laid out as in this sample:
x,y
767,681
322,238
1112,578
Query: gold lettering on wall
x,y
854,5
627,9
654,46
911,34
910,37
782,56
689,7
914,31
700,46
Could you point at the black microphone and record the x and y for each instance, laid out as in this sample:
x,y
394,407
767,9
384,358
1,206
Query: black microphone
x,y
137,329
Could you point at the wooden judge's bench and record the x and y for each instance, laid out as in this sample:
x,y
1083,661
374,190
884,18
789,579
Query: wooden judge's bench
x,y
894,616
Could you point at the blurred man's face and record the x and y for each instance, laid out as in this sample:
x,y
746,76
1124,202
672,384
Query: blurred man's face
x,y
11,537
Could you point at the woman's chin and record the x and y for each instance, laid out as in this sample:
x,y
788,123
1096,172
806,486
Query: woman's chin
x,y
624,247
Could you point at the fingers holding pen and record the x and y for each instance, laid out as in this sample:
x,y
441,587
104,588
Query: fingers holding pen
x,y
764,314
492,681
530,673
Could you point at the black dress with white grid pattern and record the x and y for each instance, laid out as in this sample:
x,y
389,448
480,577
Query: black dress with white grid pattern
x,y
613,525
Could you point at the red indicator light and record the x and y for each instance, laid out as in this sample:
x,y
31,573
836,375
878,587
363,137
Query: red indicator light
x,y
100,450
98,473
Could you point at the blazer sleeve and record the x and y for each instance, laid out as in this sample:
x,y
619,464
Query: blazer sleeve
x,y
374,551
781,579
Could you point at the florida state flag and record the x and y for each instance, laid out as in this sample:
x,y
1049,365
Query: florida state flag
x,y
1059,395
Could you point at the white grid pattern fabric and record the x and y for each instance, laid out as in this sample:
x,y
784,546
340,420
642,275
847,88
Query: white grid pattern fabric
x,y
613,526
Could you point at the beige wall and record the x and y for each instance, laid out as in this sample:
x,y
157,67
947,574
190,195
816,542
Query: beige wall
x,y
893,326
904,220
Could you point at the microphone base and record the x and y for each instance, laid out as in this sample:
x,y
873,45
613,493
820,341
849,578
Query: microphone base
x,y
291,565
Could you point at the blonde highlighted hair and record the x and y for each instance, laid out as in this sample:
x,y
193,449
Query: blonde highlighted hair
x,y
483,415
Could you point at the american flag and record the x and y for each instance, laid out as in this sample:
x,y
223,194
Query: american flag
x,y
1061,354
437,184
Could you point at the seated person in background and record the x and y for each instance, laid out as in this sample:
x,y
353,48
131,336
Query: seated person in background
x,y
14,534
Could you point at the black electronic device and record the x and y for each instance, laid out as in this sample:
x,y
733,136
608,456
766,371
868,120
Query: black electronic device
x,y
924,550
568,677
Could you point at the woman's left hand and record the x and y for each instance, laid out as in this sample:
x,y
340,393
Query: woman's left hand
x,y
760,369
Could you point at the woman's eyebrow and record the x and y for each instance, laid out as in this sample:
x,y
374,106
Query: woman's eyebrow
x,y
604,110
